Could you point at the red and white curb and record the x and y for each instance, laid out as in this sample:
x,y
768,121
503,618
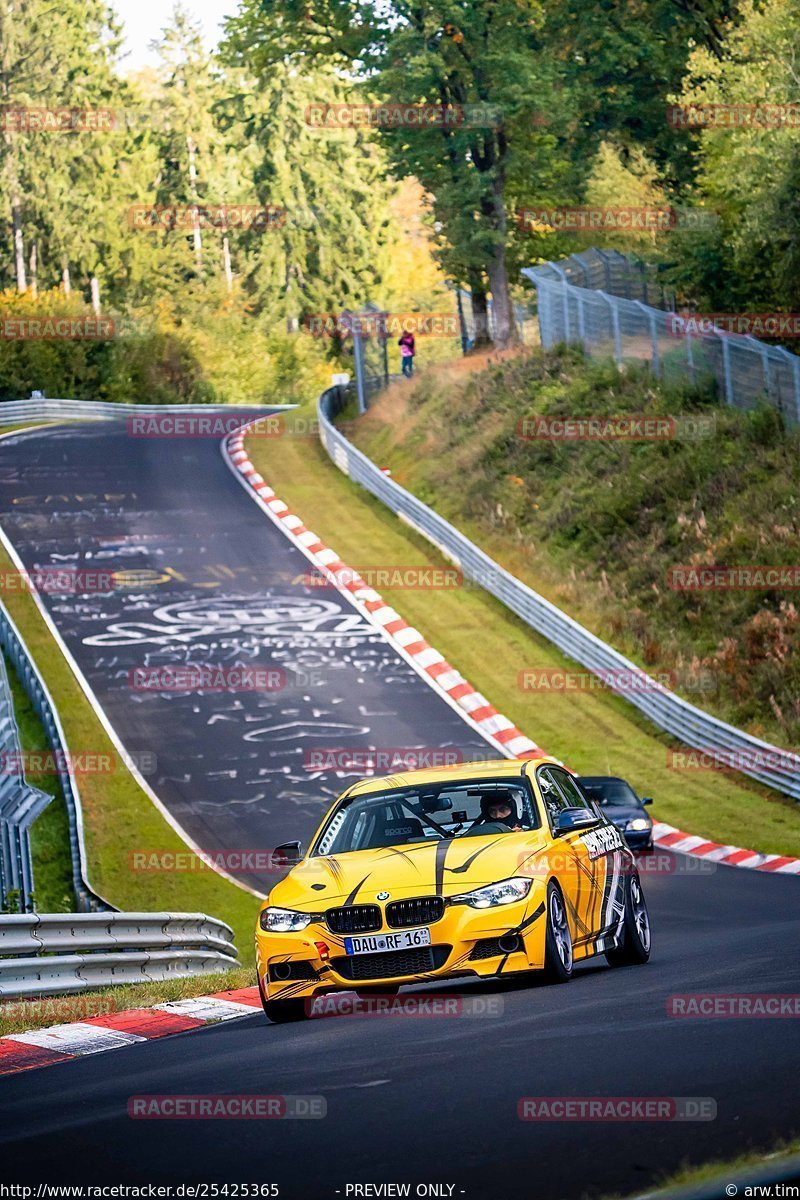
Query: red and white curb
x,y
732,856
113,1031
409,642
471,705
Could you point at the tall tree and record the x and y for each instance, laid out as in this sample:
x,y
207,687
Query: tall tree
x,y
479,60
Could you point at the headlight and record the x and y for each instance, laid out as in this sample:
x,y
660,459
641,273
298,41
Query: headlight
x,y
505,892
638,824
284,920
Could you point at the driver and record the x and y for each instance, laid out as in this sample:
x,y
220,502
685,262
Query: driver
x,y
497,808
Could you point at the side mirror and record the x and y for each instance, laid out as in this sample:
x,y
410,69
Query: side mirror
x,y
575,818
647,800
288,855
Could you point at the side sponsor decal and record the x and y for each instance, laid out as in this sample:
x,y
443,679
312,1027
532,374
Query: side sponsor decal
x,y
602,841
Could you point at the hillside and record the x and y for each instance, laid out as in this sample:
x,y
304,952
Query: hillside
x,y
600,526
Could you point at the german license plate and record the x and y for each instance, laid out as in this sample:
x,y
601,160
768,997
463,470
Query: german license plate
x,y
381,943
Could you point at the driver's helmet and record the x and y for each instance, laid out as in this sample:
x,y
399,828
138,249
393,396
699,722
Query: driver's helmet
x,y
499,796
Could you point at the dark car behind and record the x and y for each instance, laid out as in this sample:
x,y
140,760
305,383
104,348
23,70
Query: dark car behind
x,y
623,807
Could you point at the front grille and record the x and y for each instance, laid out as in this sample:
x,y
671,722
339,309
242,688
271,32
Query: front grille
x,y
355,918
423,910
391,966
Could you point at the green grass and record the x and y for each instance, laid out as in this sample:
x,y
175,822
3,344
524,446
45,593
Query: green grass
x,y
18,1015
591,732
750,1160
49,834
119,817
597,526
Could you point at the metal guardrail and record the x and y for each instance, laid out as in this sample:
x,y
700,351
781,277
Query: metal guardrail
x,y
760,760
602,301
49,954
20,805
11,641
13,412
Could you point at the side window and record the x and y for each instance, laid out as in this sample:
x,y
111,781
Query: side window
x,y
574,795
554,799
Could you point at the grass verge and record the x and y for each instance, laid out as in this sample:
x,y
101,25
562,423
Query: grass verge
x,y
605,527
17,1016
722,1172
49,834
119,817
592,732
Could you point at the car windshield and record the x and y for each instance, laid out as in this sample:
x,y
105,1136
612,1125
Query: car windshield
x,y
610,792
405,816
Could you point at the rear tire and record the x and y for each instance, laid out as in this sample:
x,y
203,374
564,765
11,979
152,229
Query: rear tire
x,y
558,955
635,946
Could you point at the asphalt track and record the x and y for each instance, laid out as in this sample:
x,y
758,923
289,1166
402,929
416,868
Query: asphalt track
x,y
434,1100
211,582
409,1100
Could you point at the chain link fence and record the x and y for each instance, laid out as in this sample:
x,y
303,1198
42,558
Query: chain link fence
x,y
615,307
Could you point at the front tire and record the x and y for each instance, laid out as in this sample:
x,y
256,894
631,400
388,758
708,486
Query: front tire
x,y
635,946
558,956
280,1012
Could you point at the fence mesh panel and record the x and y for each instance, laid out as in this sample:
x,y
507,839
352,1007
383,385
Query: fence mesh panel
x,y
615,307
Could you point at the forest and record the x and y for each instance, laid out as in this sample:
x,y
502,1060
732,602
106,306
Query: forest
x,y
331,153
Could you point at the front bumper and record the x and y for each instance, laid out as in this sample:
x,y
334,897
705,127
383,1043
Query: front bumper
x,y
465,941
638,839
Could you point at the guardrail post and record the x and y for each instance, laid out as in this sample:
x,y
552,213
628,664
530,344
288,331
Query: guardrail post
x,y
358,355
726,369
794,363
650,316
687,337
615,327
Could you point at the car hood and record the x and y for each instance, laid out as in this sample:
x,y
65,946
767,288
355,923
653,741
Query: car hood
x,y
425,869
620,814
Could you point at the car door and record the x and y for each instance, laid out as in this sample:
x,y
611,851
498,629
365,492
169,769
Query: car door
x,y
589,866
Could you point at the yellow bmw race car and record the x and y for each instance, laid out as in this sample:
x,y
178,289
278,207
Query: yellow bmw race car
x,y
488,869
